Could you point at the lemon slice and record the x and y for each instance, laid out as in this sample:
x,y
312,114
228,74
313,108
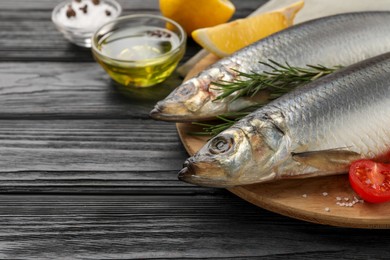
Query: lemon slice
x,y
195,14
224,39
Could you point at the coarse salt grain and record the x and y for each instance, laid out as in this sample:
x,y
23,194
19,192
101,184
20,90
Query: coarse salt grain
x,y
327,209
304,195
351,202
324,194
94,17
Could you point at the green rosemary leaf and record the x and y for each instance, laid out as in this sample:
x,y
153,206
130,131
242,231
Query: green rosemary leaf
x,y
224,122
214,129
283,77
280,79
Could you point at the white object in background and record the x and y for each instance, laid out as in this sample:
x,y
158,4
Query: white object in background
x,y
311,10
319,8
78,21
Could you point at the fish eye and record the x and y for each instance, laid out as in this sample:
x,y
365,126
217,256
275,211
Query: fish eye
x,y
221,144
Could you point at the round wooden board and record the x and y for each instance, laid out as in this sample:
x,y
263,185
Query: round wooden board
x,y
301,198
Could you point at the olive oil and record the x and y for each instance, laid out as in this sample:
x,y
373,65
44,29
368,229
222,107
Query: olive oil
x,y
139,56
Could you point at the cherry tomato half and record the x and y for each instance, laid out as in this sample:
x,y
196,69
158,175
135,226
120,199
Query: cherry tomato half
x,y
371,180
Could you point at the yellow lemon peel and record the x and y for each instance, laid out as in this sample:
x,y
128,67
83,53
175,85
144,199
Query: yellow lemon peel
x,y
224,39
195,14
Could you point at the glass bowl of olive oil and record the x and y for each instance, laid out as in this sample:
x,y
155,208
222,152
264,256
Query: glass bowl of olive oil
x,y
139,50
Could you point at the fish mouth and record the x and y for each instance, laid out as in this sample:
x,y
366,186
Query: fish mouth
x,y
185,175
189,175
159,113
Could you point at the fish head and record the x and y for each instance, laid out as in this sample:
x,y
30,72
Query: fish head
x,y
231,158
183,102
194,99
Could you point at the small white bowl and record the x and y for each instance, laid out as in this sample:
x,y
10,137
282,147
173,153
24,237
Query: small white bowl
x,y
80,31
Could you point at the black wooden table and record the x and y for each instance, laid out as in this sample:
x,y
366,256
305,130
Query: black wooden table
x,y
85,173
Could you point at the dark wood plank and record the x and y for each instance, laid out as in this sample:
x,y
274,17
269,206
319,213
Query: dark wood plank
x,y
89,156
65,128
133,227
37,39
66,142
76,90
33,37
136,5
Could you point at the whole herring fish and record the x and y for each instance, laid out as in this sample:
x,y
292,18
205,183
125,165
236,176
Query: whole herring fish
x,y
330,41
315,130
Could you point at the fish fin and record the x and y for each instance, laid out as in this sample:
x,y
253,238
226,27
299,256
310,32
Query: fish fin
x,y
332,160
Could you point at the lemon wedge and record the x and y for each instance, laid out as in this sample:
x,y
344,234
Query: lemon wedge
x,y
195,14
224,39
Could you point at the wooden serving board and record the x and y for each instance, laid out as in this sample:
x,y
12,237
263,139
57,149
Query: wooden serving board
x,y
312,199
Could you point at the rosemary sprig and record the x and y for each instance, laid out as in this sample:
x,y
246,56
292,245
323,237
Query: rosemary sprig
x,y
279,79
225,121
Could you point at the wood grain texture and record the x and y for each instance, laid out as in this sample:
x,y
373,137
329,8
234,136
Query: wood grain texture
x,y
91,156
66,127
132,5
67,131
72,90
33,37
169,227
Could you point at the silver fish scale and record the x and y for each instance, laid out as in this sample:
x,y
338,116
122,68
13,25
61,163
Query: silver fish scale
x,y
338,40
348,109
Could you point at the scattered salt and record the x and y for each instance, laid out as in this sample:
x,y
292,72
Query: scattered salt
x,y
324,194
87,15
351,202
327,209
304,195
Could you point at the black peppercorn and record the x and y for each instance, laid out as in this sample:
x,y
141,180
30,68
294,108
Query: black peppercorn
x,y
70,12
84,9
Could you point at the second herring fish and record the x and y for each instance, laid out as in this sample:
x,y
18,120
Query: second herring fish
x,y
315,130
341,39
